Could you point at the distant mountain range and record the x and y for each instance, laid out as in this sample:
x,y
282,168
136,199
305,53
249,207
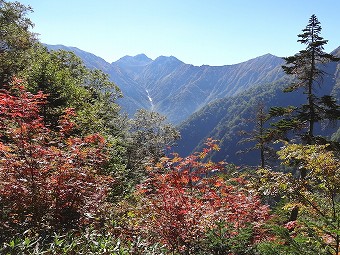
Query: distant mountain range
x,y
209,101
175,89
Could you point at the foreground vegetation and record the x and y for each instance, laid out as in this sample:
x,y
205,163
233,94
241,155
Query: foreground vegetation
x,y
79,177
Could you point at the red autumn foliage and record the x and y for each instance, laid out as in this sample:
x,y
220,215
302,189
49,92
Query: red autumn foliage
x,y
185,197
47,178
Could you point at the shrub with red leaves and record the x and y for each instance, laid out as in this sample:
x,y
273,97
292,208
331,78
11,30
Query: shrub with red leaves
x,y
48,179
185,198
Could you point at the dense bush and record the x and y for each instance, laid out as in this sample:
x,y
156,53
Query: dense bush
x,y
48,179
187,205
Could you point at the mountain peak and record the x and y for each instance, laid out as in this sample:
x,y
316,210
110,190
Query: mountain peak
x,y
336,52
138,60
266,59
142,57
266,56
165,59
269,55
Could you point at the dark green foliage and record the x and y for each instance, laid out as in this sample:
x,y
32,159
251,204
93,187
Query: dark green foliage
x,y
283,122
149,137
280,111
89,241
328,108
220,241
15,39
68,83
285,244
261,134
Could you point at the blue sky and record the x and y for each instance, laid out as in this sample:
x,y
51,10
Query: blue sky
x,y
212,32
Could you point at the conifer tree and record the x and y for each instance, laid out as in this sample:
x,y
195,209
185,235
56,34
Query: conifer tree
x,y
261,135
306,66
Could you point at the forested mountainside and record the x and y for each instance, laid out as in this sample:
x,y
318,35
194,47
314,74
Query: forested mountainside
x,y
175,89
225,118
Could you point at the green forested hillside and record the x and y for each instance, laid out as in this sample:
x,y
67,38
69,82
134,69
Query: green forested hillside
x,y
225,118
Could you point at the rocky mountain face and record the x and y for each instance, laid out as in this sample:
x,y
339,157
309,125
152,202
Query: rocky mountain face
x,y
175,89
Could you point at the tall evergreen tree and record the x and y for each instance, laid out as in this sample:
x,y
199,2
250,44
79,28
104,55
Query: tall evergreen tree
x,y
306,66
